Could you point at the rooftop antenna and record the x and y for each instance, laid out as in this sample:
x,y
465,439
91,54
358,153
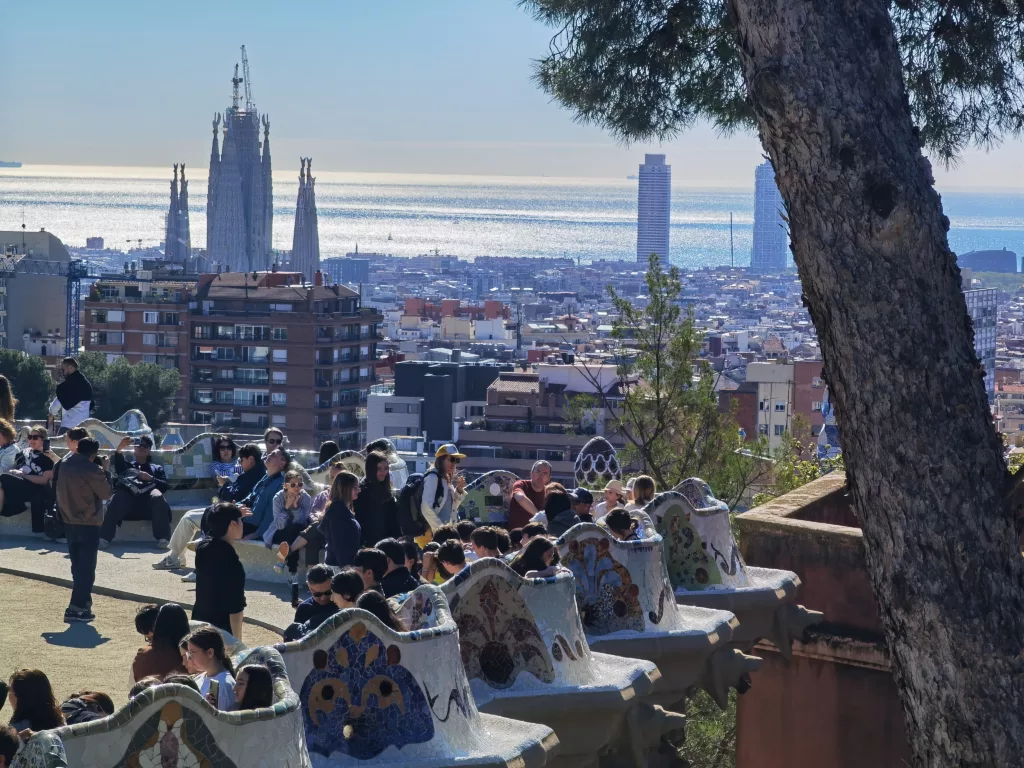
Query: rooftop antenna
x,y
235,82
249,106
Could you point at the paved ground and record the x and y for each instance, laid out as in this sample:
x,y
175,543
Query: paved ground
x,y
96,656
125,570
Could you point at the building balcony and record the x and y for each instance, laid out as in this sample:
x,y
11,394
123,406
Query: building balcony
x,y
240,401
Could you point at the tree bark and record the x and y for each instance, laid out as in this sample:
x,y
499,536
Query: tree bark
x,y
923,458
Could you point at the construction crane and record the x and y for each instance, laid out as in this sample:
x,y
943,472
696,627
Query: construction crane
x,y
249,106
74,270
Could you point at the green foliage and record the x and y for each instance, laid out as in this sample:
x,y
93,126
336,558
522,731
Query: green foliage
x,y
32,384
648,68
121,386
666,407
795,465
710,733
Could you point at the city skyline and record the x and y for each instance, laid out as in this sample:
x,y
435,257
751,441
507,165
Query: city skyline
x,y
417,109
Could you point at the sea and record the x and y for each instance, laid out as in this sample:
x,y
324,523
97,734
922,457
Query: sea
x,y
466,216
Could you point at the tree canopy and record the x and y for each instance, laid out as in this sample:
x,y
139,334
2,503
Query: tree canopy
x,y
121,386
649,68
32,384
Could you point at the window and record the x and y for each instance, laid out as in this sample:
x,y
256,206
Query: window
x,y
280,377
259,398
280,334
780,430
150,318
202,332
252,376
780,406
279,399
106,337
224,331
115,316
252,332
99,315
149,339
762,405
396,408
255,354
149,358
476,410
817,382
280,307
816,407
762,428
280,355
203,396
279,420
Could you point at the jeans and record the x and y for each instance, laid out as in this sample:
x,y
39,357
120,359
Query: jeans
x,y
126,506
83,544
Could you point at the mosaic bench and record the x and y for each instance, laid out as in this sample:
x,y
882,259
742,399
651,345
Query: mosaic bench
x,y
706,569
488,497
172,725
628,608
527,657
369,695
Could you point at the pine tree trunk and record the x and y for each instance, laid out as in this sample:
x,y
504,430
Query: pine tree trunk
x,y
924,461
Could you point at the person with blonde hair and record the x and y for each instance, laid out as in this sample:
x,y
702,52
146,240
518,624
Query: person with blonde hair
x,y
643,492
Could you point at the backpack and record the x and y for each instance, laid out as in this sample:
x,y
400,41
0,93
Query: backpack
x,y
410,516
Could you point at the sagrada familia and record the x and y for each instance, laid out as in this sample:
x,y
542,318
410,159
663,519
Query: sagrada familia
x,y
240,199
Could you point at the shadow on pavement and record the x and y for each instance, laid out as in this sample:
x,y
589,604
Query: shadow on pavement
x,y
76,636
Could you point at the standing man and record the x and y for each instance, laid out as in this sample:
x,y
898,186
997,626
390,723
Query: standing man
x,y
139,494
74,397
528,495
53,525
82,487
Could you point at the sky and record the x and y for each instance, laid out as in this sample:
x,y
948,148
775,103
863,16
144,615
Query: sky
x,y
395,86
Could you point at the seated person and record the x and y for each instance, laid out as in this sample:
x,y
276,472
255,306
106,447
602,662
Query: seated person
x,y
224,463
85,706
484,541
536,560
28,482
8,445
250,469
346,587
177,678
379,606
311,538
504,541
145,618
9,745
261,496
206,647
414,559
144,685
371,564
254,687
446,532
515,536
531,531
162,657
644,490
397,579
138,494
559,512
451,559
582,501
316,609
622,525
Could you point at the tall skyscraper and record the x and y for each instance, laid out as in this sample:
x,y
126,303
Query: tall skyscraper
x,y
306,237
178,237
982,306
654,203
771,241
240,207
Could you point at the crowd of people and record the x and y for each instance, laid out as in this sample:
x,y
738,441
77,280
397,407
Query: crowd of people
x,y
355,543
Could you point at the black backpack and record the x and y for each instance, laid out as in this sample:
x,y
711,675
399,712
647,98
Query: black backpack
x,y
410,517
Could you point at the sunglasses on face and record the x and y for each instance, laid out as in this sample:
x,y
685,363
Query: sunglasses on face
x,y
321,594
224,447
35,437
455,461
294,485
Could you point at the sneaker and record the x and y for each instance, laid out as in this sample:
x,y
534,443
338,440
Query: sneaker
x,y
190,577
104,544
162,543
279,567
76,614
168,563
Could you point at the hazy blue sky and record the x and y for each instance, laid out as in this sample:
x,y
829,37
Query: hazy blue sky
x,y
361,85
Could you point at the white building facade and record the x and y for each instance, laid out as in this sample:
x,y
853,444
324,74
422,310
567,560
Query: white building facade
x,y
654,204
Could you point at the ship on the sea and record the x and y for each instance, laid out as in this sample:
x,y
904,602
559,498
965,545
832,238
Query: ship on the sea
x,y
9,164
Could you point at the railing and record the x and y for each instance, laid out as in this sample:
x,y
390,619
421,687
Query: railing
x,y
243,402
321,404
382,389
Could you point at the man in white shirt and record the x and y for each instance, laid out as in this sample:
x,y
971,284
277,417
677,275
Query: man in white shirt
x,y
74,396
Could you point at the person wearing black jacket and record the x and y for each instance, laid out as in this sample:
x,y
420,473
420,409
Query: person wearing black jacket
x,y
376,508
253,469
220,575
126,504
74,396
397,579
339,525
315,610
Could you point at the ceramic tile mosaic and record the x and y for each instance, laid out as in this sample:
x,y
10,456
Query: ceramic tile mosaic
x,y
396,697
171,726
701,550
488,497
597,464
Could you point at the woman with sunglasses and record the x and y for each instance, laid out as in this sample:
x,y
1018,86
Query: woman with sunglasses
x,y
443,492
27,482
225,460
292,506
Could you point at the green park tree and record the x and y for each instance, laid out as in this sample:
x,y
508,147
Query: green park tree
x,y
846,97
32,383
121,386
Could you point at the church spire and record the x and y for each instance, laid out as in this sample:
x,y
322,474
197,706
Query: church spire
x,y
305,256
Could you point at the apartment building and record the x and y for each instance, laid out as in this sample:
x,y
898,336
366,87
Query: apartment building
x,y
784,390
254,350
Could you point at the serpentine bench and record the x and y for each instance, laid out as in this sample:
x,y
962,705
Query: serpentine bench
x,y
370,695
628,609
527,657
173,725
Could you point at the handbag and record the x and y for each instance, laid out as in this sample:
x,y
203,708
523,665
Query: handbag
x,y
134,484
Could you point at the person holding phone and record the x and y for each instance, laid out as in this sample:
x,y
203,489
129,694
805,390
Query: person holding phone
x,y
453,485
27,482
216,679
139,493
